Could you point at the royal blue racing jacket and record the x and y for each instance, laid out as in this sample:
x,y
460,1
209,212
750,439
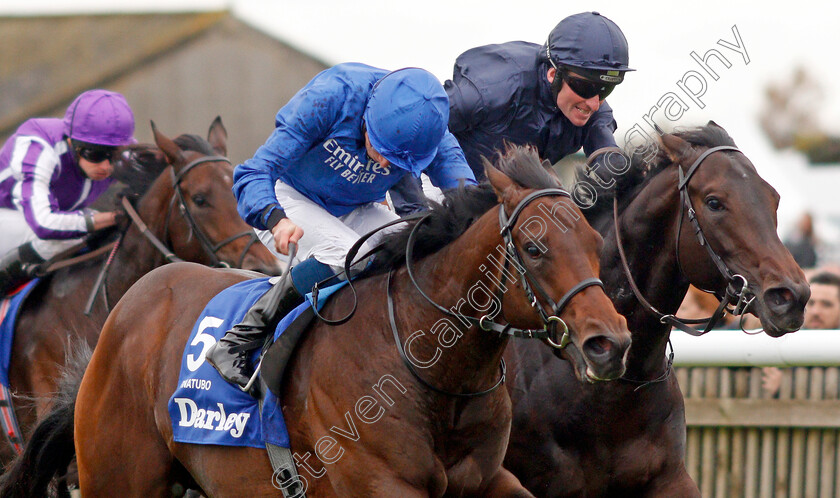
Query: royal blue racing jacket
x,y
318,147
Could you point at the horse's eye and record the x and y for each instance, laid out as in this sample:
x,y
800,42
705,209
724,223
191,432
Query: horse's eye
x,y
714,204
532,250
199,200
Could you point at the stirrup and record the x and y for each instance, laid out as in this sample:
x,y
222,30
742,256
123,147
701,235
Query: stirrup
x,y
250,385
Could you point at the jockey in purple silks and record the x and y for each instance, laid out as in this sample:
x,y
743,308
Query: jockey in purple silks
x,y
50,171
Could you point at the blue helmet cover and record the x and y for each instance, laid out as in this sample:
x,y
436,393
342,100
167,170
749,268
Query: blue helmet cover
x,y
406,117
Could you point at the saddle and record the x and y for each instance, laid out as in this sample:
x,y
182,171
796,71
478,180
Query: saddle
x,y
278,353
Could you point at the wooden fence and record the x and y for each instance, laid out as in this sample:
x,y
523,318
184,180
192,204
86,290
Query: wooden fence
x,y
742,442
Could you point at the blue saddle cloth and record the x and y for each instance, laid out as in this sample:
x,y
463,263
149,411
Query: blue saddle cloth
x,y
9,309
205,409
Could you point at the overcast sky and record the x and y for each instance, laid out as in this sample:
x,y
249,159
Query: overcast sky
x,y
662,35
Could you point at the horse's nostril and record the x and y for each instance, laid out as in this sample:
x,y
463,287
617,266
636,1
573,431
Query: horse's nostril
x,y
598,346
779,297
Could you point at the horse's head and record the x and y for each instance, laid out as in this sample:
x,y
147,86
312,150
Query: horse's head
x,y
554,254
201,222
735,210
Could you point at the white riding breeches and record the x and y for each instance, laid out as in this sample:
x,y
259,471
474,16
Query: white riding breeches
x,y
326,237
16,232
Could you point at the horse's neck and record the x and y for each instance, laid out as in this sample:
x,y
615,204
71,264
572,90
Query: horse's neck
x,y
648,234
469,357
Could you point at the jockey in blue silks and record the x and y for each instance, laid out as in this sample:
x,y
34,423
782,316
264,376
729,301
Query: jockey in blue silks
x,y
551,95
319,180
50,171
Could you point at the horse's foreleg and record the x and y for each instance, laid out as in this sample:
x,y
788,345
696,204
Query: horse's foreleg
x,y
505,484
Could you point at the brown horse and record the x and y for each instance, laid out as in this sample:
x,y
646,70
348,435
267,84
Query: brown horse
x,y
627,438
434,429
190,207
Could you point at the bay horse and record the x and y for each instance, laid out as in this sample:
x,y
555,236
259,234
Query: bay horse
x,y
442,425
627,437
191,212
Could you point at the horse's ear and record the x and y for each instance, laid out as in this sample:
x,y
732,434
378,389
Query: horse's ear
x,y
217,136
677,148
500,182
174,155
712,124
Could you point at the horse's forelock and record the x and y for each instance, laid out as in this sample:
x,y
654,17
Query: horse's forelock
x,y
194,143
524,166
710,135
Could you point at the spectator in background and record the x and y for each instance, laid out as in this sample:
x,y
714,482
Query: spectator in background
x,y
802,243
823,309
822,312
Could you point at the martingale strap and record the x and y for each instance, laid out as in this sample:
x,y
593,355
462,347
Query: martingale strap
x,y
8,421
11,429
410,365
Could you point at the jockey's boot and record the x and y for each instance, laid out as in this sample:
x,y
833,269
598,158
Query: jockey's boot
x,y
230,355
17,266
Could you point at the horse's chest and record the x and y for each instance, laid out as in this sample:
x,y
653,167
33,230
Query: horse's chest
x,y
472,446
624,468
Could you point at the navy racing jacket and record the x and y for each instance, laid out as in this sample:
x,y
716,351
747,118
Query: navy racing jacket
x,y
500,93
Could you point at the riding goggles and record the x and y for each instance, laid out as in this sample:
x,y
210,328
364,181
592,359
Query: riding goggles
x,y
586,89
94,153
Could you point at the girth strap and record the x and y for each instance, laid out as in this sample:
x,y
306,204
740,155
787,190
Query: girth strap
x,y
285,476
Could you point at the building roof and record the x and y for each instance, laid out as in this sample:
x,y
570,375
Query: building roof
x,y
47,61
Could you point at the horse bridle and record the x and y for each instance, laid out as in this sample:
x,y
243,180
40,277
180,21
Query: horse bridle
x,y
209,247
736,295
550,321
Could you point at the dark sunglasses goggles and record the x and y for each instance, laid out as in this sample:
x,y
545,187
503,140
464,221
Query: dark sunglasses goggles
x,y
586,89
94,153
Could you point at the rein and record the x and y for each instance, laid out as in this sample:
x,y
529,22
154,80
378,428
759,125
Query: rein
x,y
144,229
733,295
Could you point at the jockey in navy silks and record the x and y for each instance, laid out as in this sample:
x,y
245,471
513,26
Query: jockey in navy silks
x,y
319,180
551,95
50,171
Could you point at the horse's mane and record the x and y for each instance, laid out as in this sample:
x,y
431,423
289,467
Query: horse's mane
x,y
139,165
643,168
461,207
